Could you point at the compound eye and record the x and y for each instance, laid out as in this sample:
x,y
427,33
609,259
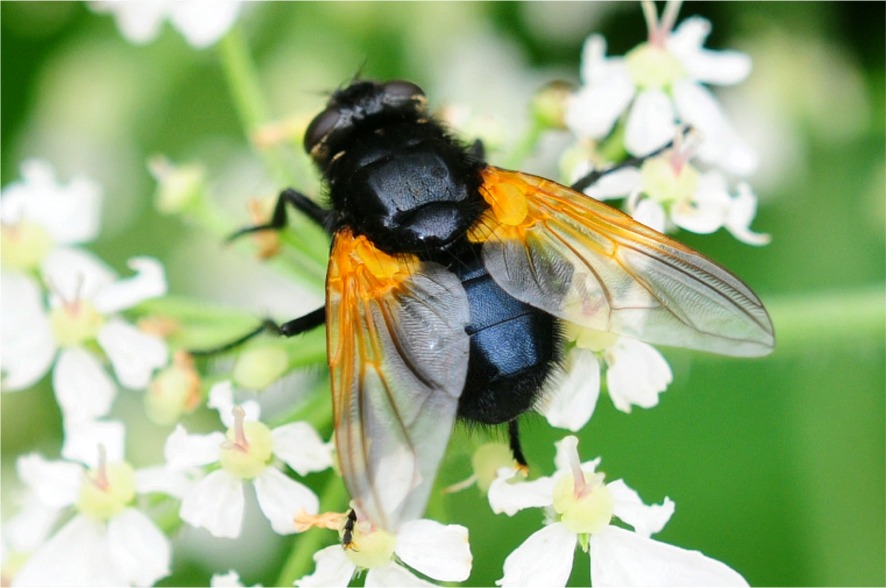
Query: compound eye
x,y
322,124
400,92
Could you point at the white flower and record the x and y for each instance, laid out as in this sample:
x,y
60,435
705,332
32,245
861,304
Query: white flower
x,y
438,551
37,214
201,22
231,579
668,191
246,453
83,307
636,373
580,509
108,542
660,84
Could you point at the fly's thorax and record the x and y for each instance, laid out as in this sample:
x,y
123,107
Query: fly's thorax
x,y
406,185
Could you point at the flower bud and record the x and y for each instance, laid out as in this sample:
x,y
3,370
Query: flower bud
x,y
179,188
548,106
259,367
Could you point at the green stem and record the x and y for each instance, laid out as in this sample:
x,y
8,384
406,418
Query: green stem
x,y
246,91
822,318
526,145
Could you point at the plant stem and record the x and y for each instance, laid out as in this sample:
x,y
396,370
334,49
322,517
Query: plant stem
x,y
822,318
525,146
246,91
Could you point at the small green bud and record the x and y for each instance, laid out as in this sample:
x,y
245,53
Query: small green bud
x,y
549,104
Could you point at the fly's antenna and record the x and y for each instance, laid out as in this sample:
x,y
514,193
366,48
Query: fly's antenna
x,y
358,75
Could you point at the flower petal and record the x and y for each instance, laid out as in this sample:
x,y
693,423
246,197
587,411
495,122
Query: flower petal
x,y
82,388
721,145
544,559
74,274
393,574
596,68
332,567
134,354
27,346
711,67
622,558
706,210
510,497
55,483
216,503
741,214
138,21
650,213
636,374
230,579
571,403
281,498
221,398
616,184
646,519
183,450
650,123
164,480
149,281
436,550
203,22
140,553
83,439
69,213
32,523
301,447
592,112
567,453
77,555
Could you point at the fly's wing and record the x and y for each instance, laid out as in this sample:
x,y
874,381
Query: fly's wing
x,y
398,356
589,264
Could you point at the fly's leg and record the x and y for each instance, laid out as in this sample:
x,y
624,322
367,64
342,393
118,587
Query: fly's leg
x,y
291,328
296,200
516,448
347,535
590,179
316,213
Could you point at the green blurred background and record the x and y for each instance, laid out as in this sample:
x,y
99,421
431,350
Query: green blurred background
x,y
776,465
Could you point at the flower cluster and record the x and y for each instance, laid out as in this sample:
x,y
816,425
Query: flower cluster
x,y
87,519
654,107
650,126
640,103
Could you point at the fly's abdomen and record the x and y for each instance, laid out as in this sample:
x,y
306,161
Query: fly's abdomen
x,y
513,349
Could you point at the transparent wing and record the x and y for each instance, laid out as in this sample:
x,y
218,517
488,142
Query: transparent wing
x,y
398,356
592,265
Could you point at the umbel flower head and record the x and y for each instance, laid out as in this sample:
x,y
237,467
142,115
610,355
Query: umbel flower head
x,y
580,509
247,453
109,541
84,305
668,191
660,84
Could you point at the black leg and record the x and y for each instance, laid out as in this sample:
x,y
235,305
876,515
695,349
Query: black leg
x,y
298,326
591,178
347,535
288,329
298,201
516,449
